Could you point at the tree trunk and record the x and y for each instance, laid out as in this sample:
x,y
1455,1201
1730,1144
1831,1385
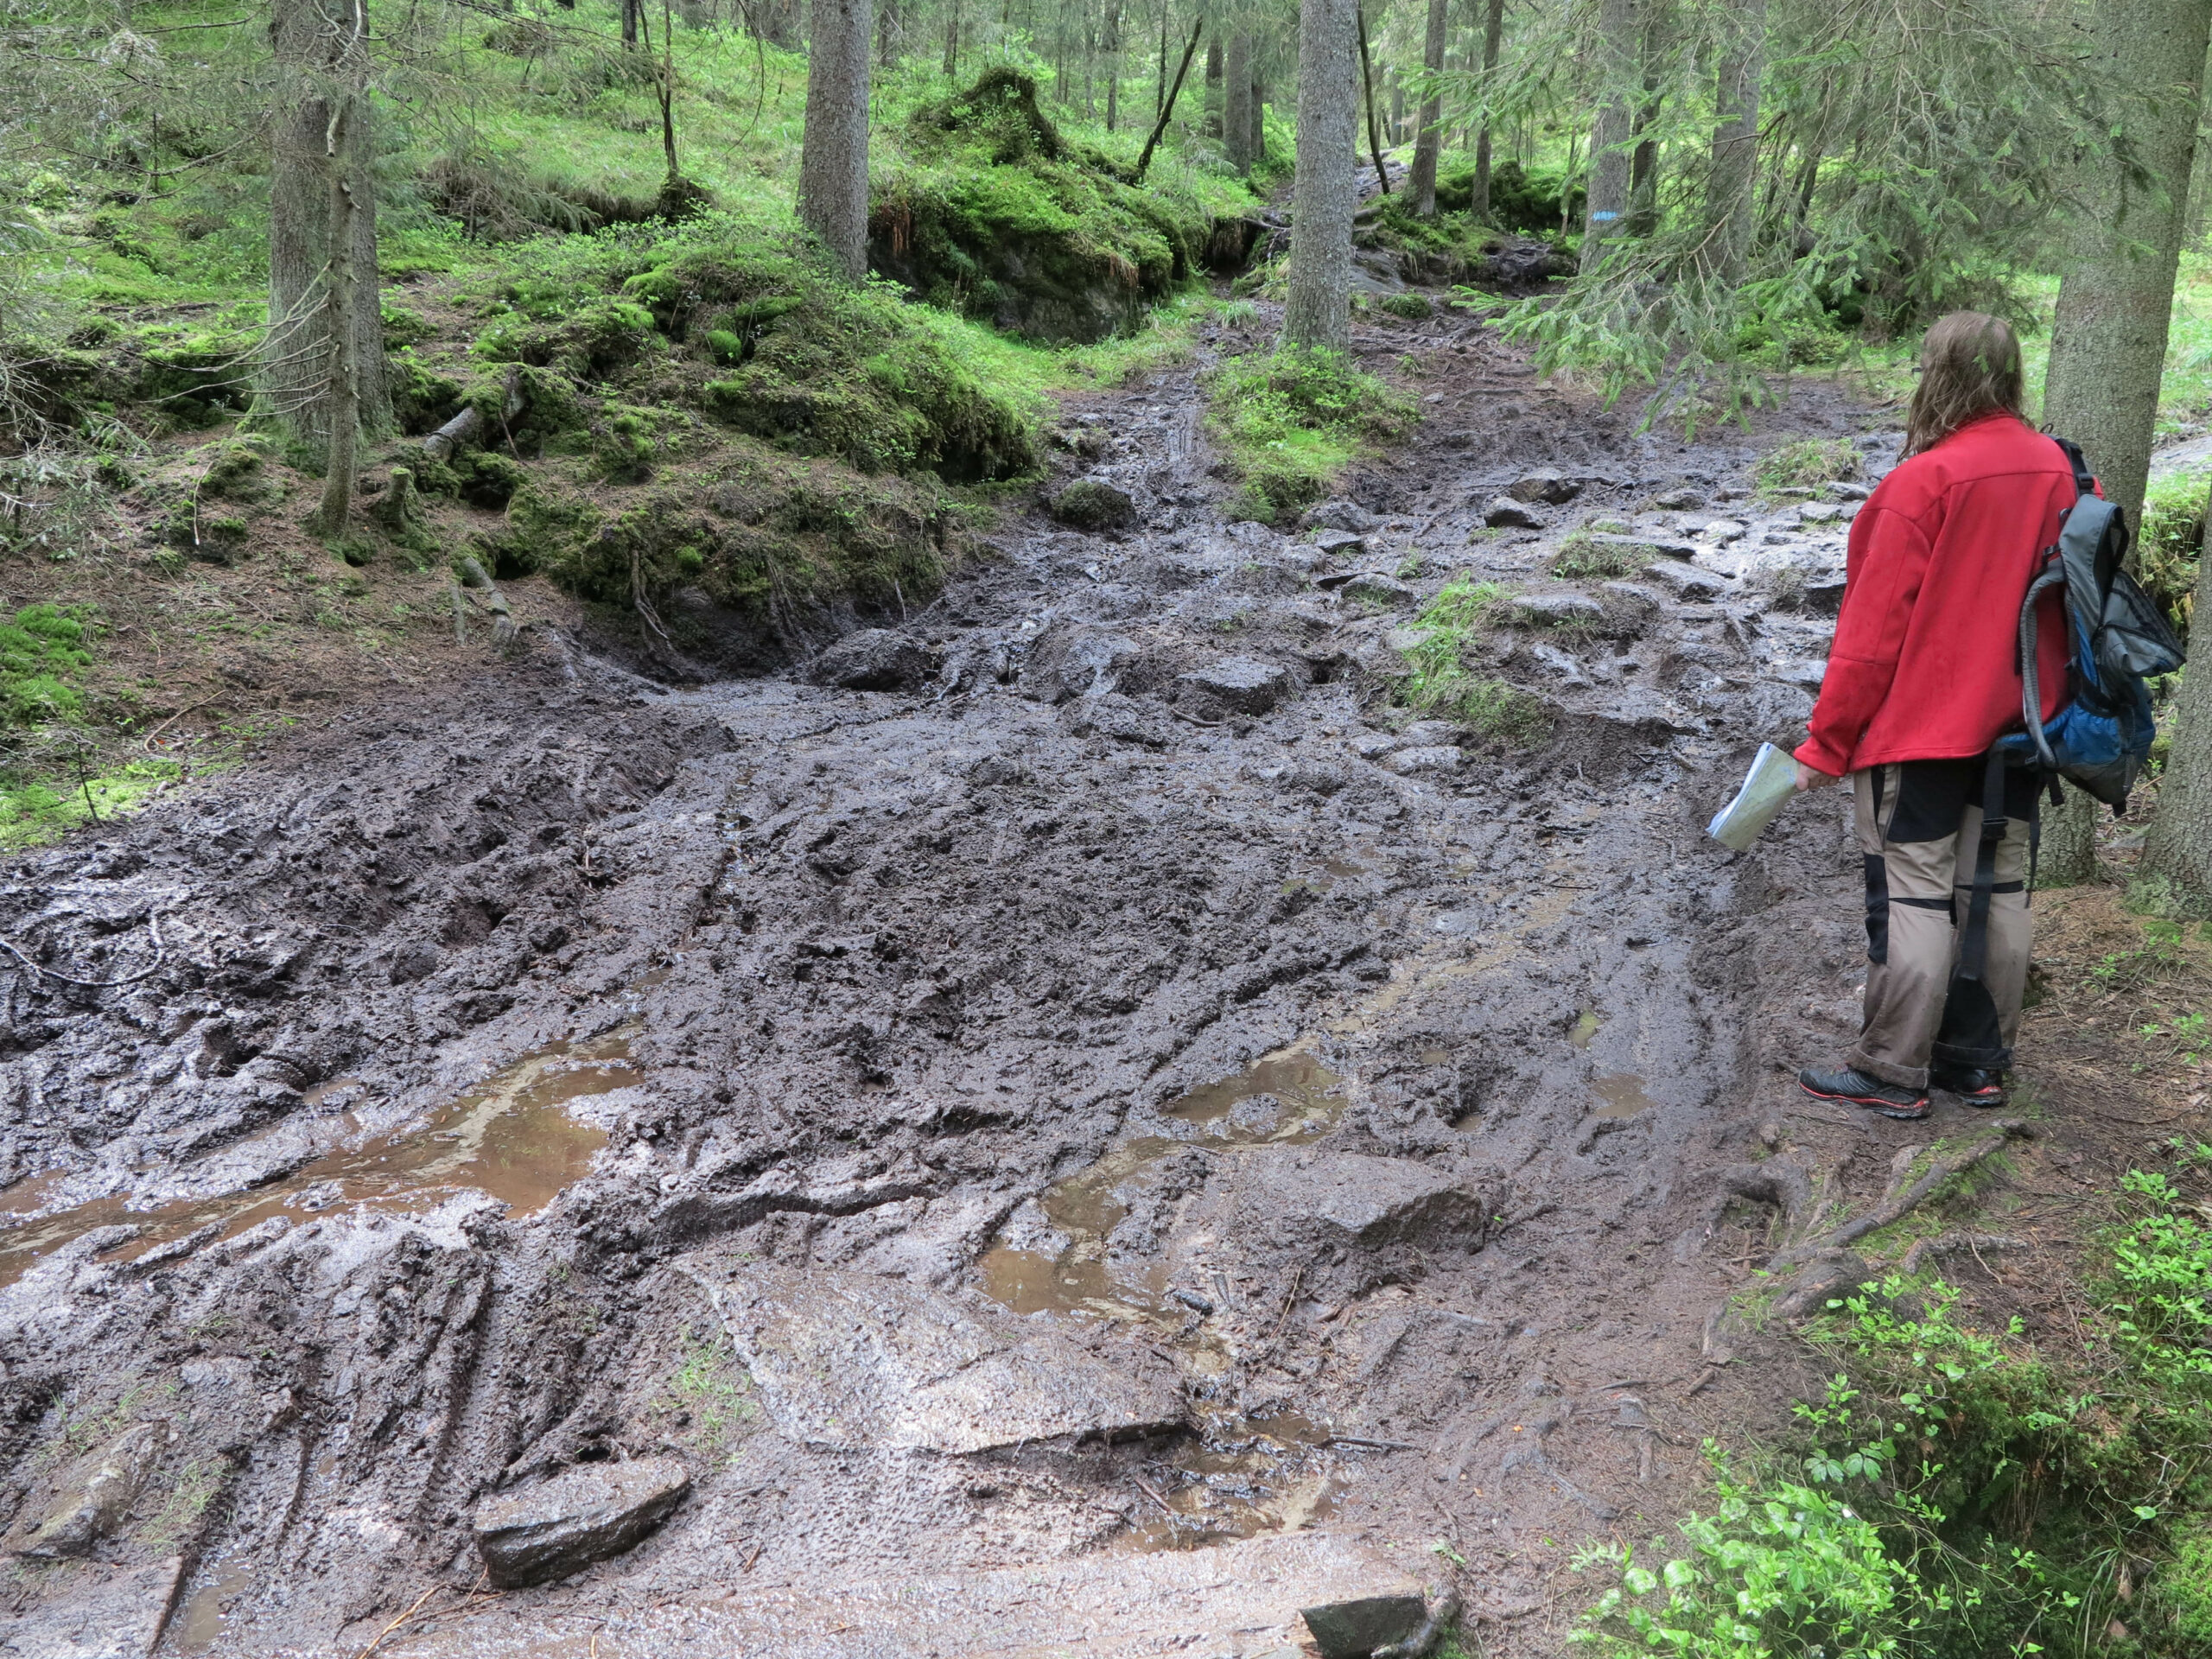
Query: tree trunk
x,y
2180,844
1430,139
1113,63
1317,312
1211,123
1609,134
1731,179
630,9
1259,121
1168,105
1644,161
952,39
2115,297
342,457
1159,87
321,55
1367,85
1493,41
890,34
1237,103
833,151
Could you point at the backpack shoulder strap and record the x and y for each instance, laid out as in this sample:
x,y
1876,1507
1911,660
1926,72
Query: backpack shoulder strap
x,y
2084,483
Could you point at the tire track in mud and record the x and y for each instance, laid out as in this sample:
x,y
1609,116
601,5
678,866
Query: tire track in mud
x,y
1405,1078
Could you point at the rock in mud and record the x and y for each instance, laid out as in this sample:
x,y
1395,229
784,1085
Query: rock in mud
x,y
1547,485
1341,543
857,1360
1686,582
95,1495
1352,1220
1370,588
576,1518
1354,1629
874,659
1557,610
1340,515
89,1610
1433,758
1088,503
1505,512
1242,683
1679,500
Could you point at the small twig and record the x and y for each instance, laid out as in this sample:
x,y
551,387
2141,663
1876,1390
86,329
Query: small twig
x,y
1146,1486
147,740
397,1623
154,926
1362,1441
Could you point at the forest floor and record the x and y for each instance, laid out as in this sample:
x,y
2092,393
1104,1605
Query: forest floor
x,y
1113,1136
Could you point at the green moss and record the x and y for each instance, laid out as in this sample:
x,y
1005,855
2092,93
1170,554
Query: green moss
x,y
1292,420
597,341
2185,1586
42,651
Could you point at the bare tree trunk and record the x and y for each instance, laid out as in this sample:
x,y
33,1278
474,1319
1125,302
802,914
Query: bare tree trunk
x,y
1210,123
1367,85
952,39
1159,88
890,34
1259,151
1609,138
1493,42
833,153
1168,105
1429,141
1317,312
322,53
2108,344
1731,179
342,458
1237,103
2180,844
1113,63
1644,161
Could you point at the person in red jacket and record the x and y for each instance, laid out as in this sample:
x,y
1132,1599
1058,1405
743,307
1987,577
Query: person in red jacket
x,y
1923,678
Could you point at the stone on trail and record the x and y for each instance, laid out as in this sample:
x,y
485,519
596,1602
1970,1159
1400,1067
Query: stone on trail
x,y
1505,512
586,1515
1547,485
1371,587
857,1360
1242,683
1680,500
96,1494
1242,1598
1686,582
88,1610
1408,763
873,659
1556,610
1721,532
1087,504
1340,543
1340,515
1354,1629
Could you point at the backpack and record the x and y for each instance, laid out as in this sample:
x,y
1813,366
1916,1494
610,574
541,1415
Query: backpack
x,y
2097,740
2101,736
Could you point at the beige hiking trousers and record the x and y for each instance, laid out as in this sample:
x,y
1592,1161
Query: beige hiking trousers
x,y
1919,829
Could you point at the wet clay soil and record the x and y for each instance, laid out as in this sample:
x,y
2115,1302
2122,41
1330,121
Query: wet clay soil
x,y
1335,1102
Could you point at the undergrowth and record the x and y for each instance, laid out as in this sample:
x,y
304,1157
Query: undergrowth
x,y
1440,683
1957,1494
1292,420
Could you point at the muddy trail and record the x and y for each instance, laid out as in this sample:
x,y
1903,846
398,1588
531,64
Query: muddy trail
x,y
1071,1126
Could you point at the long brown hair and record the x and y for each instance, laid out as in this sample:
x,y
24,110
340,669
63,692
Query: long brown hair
x,y
1969,367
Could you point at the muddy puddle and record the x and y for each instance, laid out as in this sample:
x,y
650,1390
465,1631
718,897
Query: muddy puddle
x,y
1288,1096
512,1137
1248,1476
1622,1095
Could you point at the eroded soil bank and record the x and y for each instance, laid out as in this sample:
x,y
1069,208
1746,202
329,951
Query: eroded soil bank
x,y
1095,1085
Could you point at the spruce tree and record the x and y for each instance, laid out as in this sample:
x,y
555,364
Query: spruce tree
x,y
1317,312
833,157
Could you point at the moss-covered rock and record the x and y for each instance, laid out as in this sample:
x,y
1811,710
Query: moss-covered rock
x,y
1000,218
1089,505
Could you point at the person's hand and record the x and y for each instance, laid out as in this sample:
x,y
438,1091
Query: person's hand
x,y
1810,777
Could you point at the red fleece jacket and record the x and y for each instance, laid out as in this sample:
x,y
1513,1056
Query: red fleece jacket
x,y
1925,665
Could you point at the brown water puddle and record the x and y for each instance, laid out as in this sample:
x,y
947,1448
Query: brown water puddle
x,y
200,1622
1622,1094
1248,1476
1080,1279
511,1137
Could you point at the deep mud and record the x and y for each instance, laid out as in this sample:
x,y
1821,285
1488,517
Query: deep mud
x,y
1081,1107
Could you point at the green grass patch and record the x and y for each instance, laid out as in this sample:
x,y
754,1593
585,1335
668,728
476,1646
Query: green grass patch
x,y
1582,558
1808,465
1292,420
1440,682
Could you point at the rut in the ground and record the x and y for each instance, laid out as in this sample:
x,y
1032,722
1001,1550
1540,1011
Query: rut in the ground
x,y
1114,1086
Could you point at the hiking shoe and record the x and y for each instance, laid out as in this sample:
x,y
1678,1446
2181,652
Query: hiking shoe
x,y
1848,1084
1982,1089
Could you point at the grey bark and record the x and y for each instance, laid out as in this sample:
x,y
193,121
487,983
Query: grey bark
x,y
321,55
1732,177
1317,312
1113,64
1493,41
952,38
1610,136
1236,102
1644,161
2108,343
342,457
1259,121
833,155
1429,141
1367,86
1212,121
891,36
2179,844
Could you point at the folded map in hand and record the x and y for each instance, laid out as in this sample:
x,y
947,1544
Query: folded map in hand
x,y
1771,781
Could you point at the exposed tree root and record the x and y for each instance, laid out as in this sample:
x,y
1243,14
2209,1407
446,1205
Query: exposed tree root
x,y
1900,1201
